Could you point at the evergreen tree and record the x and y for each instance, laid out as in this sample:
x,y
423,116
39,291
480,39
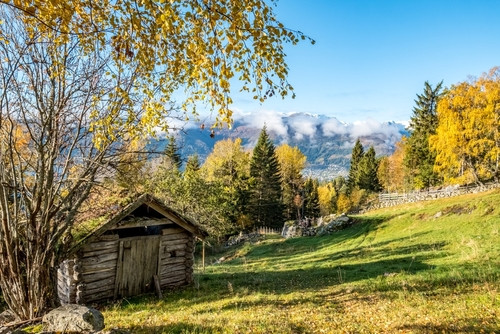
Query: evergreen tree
x,y
265,201
172,152
418,158
356,156
367,171
193,164
311,199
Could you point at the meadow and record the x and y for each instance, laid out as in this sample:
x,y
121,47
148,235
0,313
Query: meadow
x,y
428,267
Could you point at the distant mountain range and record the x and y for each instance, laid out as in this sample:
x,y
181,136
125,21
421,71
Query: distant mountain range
x,y
326,141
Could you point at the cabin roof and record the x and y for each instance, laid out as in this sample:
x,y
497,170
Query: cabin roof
x,y
151,202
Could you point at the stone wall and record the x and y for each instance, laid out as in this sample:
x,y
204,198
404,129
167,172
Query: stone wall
x,y
322,226
388,200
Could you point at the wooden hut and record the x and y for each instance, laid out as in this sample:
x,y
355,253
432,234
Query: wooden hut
x,y
143,243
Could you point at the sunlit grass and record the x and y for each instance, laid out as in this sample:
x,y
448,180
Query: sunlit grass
x,y
405,269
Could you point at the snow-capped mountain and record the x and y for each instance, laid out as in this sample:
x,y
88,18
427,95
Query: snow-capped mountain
x,y
326,141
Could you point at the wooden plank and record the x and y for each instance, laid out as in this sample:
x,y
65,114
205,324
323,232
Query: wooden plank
x,y
165,280
108,237
172,230
179,221
158,264
110,249
94,267
172,260
175,236
118,278
173,270
172,280
170,248
99,296
157,286
141,223
107,282
178,253
180,241
96,245
98,275
99,258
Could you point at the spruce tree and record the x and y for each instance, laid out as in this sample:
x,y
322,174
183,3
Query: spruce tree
x,y
266,208
419,160
367,171
172,152
356,156
311,199
193,163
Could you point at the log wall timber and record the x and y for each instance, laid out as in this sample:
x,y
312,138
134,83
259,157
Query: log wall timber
x,y
176,257
66,287
98,263
109,267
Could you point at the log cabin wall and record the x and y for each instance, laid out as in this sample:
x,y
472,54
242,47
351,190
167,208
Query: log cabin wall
x,y
176,257
117,266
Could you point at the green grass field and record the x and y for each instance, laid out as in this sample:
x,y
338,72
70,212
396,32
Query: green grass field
x,y
429,267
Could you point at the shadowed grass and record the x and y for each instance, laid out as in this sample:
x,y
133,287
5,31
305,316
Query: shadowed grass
x,y
404,269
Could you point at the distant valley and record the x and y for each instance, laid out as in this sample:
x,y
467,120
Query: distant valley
x,y
326,141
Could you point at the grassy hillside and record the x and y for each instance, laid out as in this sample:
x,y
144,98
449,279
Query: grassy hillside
x,y
426,267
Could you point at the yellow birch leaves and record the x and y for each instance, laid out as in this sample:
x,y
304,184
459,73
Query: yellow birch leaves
x,y
191,48
467,140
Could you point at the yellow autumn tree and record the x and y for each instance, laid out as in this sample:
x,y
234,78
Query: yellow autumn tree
x,y
391,171
197,48
467,140
327,199
292,162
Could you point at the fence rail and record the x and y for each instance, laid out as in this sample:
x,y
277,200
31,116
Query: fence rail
x,y
435,193
267,230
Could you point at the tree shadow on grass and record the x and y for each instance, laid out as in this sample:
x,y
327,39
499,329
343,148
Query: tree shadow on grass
x,y
468,325
298,246
179,327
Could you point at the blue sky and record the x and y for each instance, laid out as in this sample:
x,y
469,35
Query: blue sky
x,y
371,58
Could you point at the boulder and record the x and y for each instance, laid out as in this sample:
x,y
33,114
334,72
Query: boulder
x,y
7,316
73,318
290,230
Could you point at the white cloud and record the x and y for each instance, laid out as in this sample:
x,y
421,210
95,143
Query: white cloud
x,y
371,127
271,119
333,126
303,125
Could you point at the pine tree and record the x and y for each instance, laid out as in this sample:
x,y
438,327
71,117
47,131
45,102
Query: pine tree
x,y
418,158
367,171
356,156
311,199
172,152
192,164
265,201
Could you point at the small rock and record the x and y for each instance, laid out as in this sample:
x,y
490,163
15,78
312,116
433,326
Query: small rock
x,y
73,318
438,214
343,218
7,316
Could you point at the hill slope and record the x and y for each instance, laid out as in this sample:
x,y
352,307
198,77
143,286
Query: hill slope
x,y
425,267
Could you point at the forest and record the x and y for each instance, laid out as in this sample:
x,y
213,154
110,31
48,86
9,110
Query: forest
x,y
454,140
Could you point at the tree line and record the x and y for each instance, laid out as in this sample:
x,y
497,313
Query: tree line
x,y
454,139
234,189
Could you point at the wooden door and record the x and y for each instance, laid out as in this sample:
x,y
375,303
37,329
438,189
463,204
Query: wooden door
x,y
137,263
